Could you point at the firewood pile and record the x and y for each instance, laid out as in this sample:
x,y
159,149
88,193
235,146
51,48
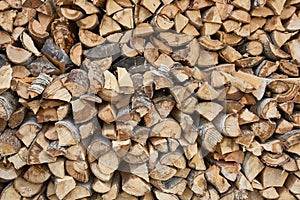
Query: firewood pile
x,y
149,99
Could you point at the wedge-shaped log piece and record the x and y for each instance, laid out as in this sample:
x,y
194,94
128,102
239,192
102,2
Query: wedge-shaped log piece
x,y
252,166
28,130
269,193
174,39
151,6
214,177
189,54
9,192
37,31
230,54
83,111
90,22
289,68
228,125
273,177
108,162
37,174
71,14
77,82
87,6
212,15
279,38
101,186
29,44
162,172
292,183
112,7
79,170
266,68
63,186
17,117
141,14
125,81
108,26
266,109
8,105
7,19
164,105
207,92
263,129
292,47
26,188
175,159
241,16
90,39
81,191
8,172
209,110
193,15
57,168
274,53
56,90
293,23
246,116
17,55
197,182
56,54
68,133
166,128
76,54
137,154
125,18
134,185
19,160
210,44
274,160
62,35
242,4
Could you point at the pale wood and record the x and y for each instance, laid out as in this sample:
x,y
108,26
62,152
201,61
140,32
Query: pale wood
x,y
63,186
26,188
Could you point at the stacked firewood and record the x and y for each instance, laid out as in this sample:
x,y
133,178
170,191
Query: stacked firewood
x,y
149,99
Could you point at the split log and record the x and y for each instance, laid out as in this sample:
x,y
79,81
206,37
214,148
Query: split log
x,y
68,134
213,176
28,130
37,174
78,170
18,55
63,186
77,82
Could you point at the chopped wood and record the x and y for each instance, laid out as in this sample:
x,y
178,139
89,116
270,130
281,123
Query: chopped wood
x,y
67,133
17,55
87,6
63,186
71,14
214,177
149,99
90,22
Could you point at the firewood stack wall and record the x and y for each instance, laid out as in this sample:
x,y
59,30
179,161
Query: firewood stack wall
x,y
149,99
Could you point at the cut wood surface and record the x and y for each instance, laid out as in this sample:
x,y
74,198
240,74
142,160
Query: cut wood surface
x,y
149,99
